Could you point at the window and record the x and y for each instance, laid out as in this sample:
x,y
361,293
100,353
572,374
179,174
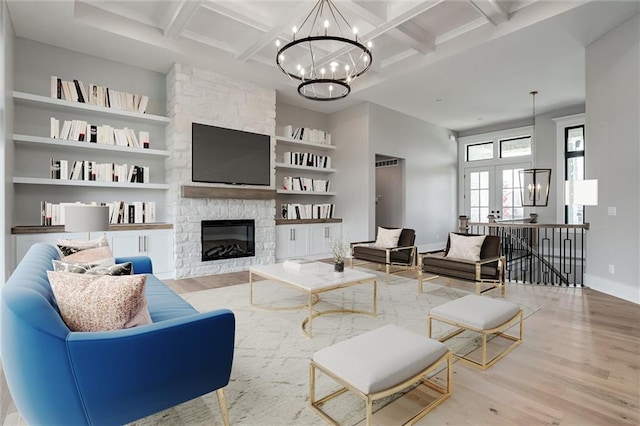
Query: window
x,y
574,168
515,147
480,151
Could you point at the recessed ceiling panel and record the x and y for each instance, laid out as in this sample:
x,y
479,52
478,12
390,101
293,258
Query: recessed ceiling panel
x,y
446,17
228,31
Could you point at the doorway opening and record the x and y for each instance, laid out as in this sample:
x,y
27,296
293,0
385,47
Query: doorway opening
x,y
390,190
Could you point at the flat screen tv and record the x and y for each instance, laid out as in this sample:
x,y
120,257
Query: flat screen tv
x,y
230,156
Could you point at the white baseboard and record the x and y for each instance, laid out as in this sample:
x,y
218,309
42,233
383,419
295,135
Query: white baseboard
x,y
613,288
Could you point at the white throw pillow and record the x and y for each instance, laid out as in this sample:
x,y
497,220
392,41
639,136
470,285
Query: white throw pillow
x,y
465,248
387,237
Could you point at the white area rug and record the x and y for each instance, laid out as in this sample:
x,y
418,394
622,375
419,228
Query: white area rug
x,y
270,377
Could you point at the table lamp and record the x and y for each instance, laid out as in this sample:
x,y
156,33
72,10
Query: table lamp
x,y
85,218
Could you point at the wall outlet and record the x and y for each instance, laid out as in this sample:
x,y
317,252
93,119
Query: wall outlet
x,y
611,211
611,269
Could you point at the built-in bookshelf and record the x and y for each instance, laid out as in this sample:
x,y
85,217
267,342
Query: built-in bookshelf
x,y
51,131
304,166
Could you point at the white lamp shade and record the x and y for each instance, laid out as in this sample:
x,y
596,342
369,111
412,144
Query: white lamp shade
x,y
581,192
83,218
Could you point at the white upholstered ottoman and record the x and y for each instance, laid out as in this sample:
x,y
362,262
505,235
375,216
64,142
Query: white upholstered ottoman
x,y
379,363
483,315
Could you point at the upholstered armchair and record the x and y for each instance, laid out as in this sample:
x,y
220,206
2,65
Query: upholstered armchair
x,y
400,254
488,268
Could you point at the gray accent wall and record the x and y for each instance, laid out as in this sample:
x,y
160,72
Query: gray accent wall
x,y
613,140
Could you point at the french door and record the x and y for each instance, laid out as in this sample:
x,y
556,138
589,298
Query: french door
x,y
493,190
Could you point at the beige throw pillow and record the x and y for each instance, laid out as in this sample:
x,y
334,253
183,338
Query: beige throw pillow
x,y
90,251
465,248
387,237
100,302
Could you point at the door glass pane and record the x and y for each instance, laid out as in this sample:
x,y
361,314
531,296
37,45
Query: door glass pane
x,y
511,199
479,196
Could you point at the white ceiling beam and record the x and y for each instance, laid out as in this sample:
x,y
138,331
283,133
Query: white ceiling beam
x,y
490,10
176,19
417,39
421,40
208,41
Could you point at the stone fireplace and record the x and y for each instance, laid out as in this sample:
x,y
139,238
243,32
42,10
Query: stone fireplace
x,y
196,95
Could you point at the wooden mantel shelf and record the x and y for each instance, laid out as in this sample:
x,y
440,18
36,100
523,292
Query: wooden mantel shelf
x,y
192,191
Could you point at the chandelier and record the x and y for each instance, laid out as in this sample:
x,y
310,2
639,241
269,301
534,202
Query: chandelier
x,y
321,57
535,183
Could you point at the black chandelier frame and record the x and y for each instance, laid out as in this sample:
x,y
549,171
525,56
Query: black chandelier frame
x,y
314,79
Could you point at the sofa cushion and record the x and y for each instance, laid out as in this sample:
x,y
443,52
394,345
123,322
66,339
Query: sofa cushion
x,y
387,237
457,268
378,255
164,303
93,268
465,247
91,251
100,303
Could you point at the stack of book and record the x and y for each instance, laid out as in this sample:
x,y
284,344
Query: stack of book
x,y
307,159
80,130
296,183
100,172
308,135
307,211
75,91
119,212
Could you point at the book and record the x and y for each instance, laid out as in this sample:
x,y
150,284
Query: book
x,y
54,132
79,91
300,264
54,87
144,102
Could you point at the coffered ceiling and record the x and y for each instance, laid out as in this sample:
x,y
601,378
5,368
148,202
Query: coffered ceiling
x,y
458,63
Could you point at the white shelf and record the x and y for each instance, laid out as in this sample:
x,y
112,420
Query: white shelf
x,y
297,142
291,192
306,168
67,182
37,140
59,104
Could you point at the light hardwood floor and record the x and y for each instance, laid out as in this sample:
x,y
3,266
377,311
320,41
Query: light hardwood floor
x,y
579,364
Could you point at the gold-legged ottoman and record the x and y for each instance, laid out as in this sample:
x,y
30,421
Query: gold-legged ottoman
x,y
379,363
483,315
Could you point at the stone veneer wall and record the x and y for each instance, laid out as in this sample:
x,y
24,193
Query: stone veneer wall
x,y
196,95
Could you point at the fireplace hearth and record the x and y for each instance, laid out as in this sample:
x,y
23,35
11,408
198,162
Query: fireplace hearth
x,y
227,239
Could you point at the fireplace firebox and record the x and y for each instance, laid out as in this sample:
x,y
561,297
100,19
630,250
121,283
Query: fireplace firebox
x,y
227,239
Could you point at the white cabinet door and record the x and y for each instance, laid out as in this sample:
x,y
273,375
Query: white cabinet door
x,y
321,235
292,241
24,242
157,244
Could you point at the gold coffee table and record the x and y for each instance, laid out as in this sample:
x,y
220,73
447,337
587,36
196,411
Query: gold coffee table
x,y
314,280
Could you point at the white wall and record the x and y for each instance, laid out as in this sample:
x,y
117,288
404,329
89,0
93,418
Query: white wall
x,y
431,166
354,179
613,143
6,144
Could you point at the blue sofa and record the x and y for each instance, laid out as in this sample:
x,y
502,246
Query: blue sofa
x,y
60,377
